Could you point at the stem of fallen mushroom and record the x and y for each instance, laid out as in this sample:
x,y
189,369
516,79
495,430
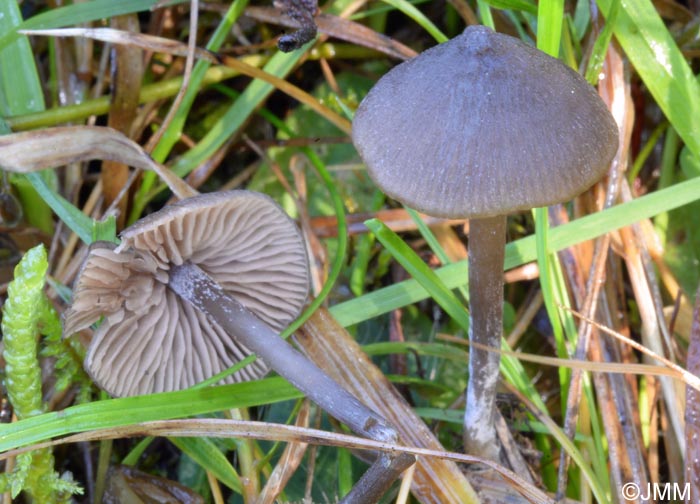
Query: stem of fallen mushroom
x,y
487,241
198,289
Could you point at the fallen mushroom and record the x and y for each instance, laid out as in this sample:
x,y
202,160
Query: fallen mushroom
x,y
242,239
479,127
196,287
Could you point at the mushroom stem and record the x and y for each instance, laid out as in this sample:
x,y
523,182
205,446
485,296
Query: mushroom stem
x,y
198,289
487,240
378,478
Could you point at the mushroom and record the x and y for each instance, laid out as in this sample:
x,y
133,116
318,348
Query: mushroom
x,y
241,239
479,127
196,287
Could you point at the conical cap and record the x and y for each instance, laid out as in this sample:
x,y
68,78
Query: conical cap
x,y
483,125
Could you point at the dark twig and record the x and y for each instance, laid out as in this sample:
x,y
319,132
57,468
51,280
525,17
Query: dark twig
x,y
303,12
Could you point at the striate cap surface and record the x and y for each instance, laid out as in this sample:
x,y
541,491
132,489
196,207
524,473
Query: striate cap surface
x,y
483,125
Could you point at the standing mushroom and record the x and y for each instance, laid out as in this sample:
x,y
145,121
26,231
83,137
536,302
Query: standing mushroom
x,y
196,287
479,127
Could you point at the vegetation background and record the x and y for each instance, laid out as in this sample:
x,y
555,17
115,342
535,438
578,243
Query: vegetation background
x,y
625,254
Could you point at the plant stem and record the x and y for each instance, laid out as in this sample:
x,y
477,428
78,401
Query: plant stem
x,y
99,106
487,240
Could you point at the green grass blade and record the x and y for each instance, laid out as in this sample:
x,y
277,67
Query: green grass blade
x,y
345,476
434,245
514,5
485,14
21,93
550,17
657,59
544,261
77,221
410,11
524,250
21,90
600,48
420,271
205,453
234,118
131,410
77,13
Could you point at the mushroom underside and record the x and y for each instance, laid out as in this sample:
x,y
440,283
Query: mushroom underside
x,y
150,339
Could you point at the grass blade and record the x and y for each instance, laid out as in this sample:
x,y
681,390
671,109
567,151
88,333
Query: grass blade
x,y
657,59
131,410
523,251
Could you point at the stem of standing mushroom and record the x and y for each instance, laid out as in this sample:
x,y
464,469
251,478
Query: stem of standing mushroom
x,y
487,240
198,289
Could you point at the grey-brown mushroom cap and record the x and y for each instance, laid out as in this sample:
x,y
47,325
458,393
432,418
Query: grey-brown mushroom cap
x,y
483,125
153,341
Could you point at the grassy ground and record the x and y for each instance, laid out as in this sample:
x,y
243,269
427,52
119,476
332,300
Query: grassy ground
x,y
624,255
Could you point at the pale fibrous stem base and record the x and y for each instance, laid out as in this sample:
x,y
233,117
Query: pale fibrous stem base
x,y
198,289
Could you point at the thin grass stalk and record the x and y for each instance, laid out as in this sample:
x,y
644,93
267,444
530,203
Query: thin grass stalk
x,y
127,75
614,90
651,331
625,413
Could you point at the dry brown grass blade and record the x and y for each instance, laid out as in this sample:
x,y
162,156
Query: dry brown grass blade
x,y
653,325
614,395
330,346
291,90
339,28
213,427
465,11
192,51
127,75
125,38
288,462
396,219
35,150
675,372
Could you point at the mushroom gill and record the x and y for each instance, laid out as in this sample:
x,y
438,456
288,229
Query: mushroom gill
x,y
153,341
